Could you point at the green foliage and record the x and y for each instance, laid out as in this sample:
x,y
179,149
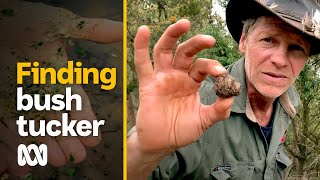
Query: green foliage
x,y
71,158
225,49
303,136
190,8
202,22
28,177
7,12
70,171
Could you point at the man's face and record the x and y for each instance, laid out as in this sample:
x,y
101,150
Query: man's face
x,y
274,54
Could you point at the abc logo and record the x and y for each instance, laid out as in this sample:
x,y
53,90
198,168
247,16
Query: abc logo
x,y
41,155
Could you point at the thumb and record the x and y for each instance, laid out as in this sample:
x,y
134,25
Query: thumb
x,y
217,111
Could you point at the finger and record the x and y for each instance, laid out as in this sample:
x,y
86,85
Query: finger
x,y
186,51
219,110
13,167
12,125
71,146
55,154
85,114
16,140
11,139
97,29
202,67
163,49
9,144
142,60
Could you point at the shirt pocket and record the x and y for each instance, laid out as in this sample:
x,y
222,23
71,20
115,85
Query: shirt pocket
x,y
234,171
282,162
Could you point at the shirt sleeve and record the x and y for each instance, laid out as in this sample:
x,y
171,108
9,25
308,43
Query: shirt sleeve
x,y
182,163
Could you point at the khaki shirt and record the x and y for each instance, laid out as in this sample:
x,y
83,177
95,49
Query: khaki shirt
x,y
234,148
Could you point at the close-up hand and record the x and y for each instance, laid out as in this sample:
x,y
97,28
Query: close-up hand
x,y
9,142
170,113
60,148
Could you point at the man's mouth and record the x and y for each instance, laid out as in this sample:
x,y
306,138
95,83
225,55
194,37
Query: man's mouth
x,y
275,75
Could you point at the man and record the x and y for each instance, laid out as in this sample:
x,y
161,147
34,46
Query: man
x,y
179,133
39,32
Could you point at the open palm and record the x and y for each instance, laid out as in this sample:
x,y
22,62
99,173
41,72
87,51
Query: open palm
x,y
170,113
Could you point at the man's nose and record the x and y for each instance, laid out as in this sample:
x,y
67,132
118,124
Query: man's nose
x,y
280,58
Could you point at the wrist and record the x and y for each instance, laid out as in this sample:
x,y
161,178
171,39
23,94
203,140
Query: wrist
x,y
141,163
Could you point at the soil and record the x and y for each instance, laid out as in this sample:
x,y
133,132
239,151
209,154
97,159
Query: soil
x,y
226,86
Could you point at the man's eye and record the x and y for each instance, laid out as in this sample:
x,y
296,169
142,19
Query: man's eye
x,y
296,48
267,39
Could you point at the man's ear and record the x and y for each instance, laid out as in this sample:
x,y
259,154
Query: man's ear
x,y
242,43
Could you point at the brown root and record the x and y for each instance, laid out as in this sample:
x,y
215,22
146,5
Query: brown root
x,y
226,86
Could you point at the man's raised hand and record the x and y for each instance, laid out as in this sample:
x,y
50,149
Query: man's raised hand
x,y
170,113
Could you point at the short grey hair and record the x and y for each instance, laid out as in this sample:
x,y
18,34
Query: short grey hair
x,y
248,25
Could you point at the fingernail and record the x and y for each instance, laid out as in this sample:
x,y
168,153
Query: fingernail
x,y
143,27
208,37
220,68
184,20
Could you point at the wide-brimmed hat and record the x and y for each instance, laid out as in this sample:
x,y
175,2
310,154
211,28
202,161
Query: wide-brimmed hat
x,y
301,14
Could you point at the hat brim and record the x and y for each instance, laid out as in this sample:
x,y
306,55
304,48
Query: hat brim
x,y
237,11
